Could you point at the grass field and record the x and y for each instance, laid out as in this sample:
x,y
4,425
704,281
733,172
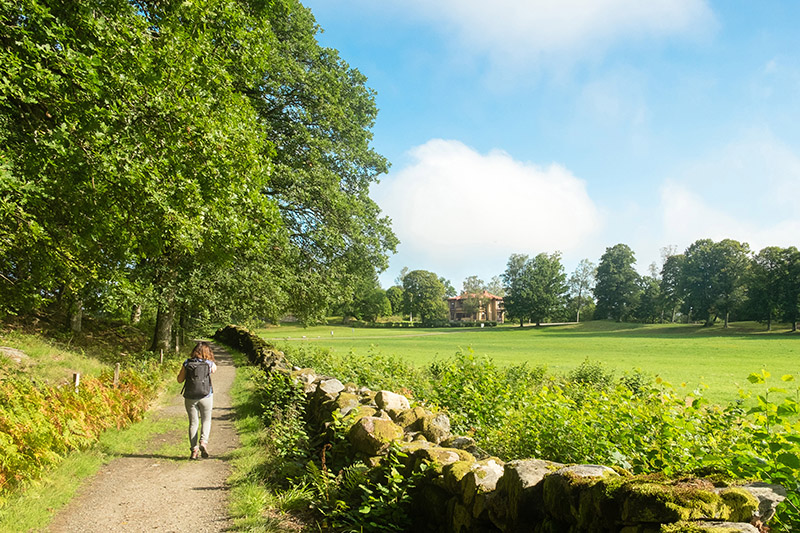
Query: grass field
x,y
678,353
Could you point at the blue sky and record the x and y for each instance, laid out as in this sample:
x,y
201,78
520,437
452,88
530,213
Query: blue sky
x,y
538,126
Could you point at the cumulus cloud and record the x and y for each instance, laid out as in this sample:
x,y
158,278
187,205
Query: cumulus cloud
x,y
455,204
511,30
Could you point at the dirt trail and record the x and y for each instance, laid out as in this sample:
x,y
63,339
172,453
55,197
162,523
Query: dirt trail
x,y
150,492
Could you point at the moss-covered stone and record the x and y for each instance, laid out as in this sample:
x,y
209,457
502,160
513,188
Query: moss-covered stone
x,y
346,402
436,428
372,436
743,506
518,497
411,419
662,502
454,475
440,457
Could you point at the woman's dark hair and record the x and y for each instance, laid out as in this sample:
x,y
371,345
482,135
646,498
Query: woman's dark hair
x,y
203,351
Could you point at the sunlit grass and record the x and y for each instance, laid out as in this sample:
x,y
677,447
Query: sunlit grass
x,y
713,359
256,505
47,362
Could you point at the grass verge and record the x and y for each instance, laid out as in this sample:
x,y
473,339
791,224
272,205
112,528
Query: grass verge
x,y
258,502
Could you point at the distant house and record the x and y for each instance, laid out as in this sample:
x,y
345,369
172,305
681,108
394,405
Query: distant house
x,y
477,307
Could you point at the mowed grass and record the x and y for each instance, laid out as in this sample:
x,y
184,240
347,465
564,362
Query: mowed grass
x,y
714,359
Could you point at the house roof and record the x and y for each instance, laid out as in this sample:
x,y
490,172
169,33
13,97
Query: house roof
x,y
486,294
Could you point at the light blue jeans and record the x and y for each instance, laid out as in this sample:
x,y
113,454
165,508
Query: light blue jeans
x,y
203,406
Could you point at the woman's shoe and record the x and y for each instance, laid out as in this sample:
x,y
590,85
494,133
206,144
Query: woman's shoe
x,y
195,453
203,450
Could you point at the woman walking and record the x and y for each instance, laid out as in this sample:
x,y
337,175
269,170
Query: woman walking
x,y
198,395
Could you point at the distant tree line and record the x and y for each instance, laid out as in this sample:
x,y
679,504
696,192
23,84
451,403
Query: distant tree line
x,y
709,281
182,162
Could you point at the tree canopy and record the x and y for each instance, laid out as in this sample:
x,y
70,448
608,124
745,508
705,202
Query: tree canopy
x,y
180,155
617,289
423,297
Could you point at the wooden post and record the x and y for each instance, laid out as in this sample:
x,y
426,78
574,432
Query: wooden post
x,y
116,375
161,362
76,380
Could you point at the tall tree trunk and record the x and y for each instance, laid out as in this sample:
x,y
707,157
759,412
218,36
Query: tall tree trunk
x,y
76,315
521,323
136,313
769,322
794,325
578,316
727,315
164,320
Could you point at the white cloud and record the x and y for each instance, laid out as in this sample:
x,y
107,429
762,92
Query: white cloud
x,y
512,30
742,191
453,204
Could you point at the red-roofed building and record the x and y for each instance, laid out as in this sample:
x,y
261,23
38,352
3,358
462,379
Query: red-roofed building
x,y
477,307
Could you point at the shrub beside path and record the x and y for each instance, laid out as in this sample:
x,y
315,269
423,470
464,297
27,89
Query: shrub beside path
x,y
163,492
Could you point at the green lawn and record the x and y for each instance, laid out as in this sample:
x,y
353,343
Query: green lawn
x,y
694,355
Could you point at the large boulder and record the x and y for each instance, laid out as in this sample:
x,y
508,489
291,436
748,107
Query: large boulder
x,y
372,435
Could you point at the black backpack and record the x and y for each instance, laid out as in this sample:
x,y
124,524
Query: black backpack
x,y
198,379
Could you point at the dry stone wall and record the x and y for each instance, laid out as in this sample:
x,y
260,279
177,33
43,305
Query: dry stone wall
x,y
469,491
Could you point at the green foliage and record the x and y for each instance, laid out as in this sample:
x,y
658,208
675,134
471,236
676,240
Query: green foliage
x,y
536,287
712,277
475,392
185,156
395,296
360,499
617,289
423,296
635,422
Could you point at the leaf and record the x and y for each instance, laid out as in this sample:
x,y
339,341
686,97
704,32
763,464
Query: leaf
x,y
790,459
787,377
755,378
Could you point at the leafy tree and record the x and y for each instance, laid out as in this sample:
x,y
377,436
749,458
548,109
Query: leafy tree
x,y
183,141
548,285
401,276
767,276
617,289
671,284
375,305
713,276
395,296
495,286
516,279
790,302
580,284
649,308
473,285
449,290
535,286
423,296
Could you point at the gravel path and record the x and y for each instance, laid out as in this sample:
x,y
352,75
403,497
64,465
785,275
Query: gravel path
x,y
152,492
